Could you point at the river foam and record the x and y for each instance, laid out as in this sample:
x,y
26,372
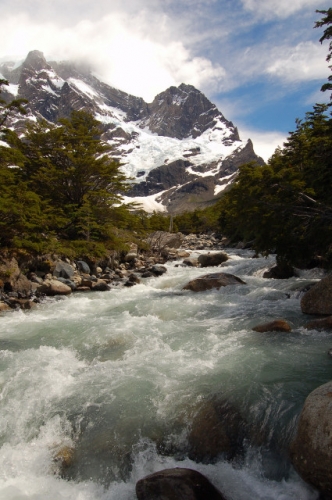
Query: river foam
x,y
117,375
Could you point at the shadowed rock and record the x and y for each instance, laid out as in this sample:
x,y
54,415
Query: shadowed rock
x,y
212,259
318,300
320,324
311,450
214,280
177,484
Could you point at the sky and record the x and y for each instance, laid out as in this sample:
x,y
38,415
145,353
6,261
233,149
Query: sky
x,y
259,61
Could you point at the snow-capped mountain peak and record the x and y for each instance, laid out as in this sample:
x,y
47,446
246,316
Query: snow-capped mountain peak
x,y
180,149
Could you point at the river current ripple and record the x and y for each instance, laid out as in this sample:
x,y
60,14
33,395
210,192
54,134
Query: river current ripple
x,y
116,375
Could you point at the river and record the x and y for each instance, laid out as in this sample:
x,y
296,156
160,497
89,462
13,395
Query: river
x,y
116,375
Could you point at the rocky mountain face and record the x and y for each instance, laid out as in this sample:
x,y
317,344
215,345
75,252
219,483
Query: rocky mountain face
x,y
179,151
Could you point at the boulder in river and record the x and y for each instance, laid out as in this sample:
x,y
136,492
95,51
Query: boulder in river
x,y
217,428
278,325
318,300
213,280
212,259
190,262
320,324
177,484
311,450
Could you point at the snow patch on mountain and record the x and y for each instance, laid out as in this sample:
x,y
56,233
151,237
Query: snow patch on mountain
x,y
148,203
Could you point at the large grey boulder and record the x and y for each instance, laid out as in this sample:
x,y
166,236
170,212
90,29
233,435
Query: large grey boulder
x,y
318,300
63,270
176,484
214,280
212,259
311,450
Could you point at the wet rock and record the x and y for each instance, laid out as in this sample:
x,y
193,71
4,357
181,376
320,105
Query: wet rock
x,y
158,270
217,429
278,325
100,286
134,279
25,304
176,484
147,274
318,300
212,259
54,287
191,262
280,271
63,459
214,280
319,324
311,450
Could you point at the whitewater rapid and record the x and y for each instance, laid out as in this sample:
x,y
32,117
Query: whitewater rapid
x,y
116,375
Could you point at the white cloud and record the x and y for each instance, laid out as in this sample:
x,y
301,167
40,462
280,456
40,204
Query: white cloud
x,y
306,61
265,143
120,49
269,9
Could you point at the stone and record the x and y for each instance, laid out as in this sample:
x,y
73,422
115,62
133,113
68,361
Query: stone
x,y
318,300
213,280
100,286
182,254
278,325
68,282
13,280
217,429
176,484
63,270
319,324
4,307
54,287
83,267
191,262
311,450
158,270
212,259
280,271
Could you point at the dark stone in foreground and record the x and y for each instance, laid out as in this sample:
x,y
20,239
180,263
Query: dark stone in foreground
x,y
176,484
318,300
214,280
311,450
217,428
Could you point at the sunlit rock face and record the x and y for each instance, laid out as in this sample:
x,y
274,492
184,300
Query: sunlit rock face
x,y
179,151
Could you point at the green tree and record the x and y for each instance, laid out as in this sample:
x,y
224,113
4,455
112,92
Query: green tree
x,y
327,35
69,167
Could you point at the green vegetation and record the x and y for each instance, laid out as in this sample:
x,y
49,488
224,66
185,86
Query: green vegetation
x,y
285,206
61,190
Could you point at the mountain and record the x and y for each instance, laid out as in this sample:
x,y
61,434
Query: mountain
x,y
179,151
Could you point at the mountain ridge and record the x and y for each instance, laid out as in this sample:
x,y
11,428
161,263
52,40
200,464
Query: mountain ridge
x,y
179,150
